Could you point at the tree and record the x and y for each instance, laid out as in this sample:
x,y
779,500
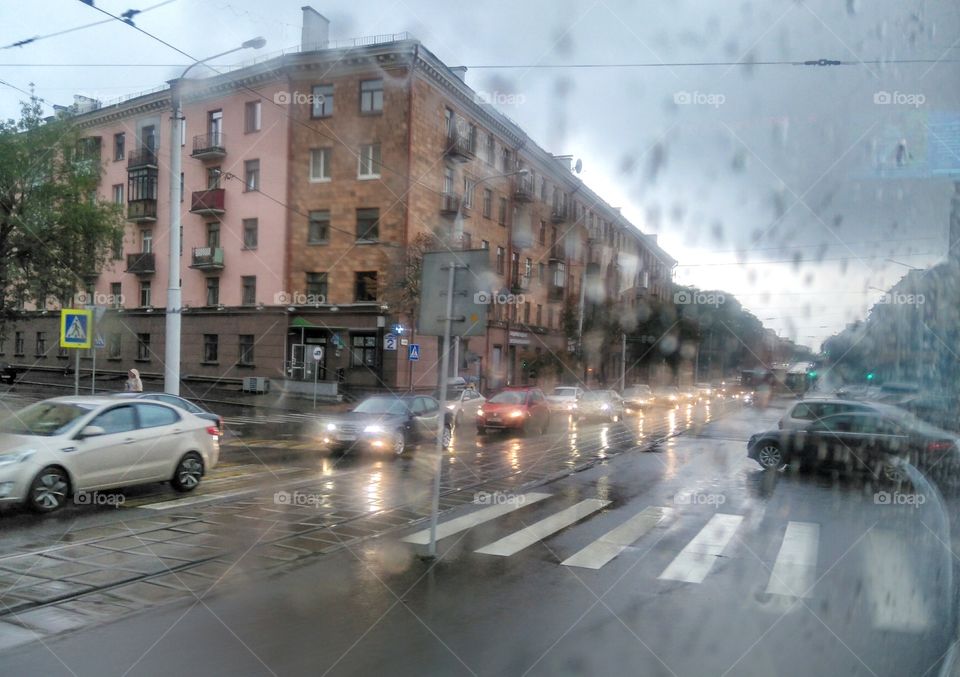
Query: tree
x,y
54,231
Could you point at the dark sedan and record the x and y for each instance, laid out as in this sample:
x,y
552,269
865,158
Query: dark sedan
x,y
875,441
387,423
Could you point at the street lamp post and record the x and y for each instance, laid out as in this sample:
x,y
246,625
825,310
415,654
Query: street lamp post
x,y
171,368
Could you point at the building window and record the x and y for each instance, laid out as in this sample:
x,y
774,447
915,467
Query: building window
x,y
468,186
491,149
449,124
213,178
542,233
18,344
484,244
213,234
447,179
316,288
539,315
540,272
250,233
502,213
549,317
114,346
487,203
368,162
146,241
119,146
363,350
145,300
501,260
322,101
560,275
371,96
246,349
365,286
248,285
118,194
251,117
515,266
368,225
213,291
528,268
215,127
472,135
507,157
251,175
318,227
320,164
116,294
543,189
143,347
41,347
211,347
526,312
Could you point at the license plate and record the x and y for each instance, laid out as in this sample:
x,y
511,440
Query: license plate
x,y
494,415
346,437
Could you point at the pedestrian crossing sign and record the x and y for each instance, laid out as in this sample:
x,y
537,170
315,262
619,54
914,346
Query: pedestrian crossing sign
x,y
75,328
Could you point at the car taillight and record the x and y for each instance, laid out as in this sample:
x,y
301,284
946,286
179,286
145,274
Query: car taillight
x,y
940,445
213,431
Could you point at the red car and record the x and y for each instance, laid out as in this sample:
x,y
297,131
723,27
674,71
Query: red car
x,y
518,407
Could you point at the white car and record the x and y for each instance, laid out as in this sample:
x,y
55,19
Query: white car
x,y
464,404
564,398
72,445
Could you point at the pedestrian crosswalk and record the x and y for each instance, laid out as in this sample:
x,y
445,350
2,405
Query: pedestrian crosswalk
x,y
699,555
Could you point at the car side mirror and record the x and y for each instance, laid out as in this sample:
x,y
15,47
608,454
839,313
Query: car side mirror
x,y
91,431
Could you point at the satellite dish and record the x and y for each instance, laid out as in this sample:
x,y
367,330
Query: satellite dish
x,y
578,167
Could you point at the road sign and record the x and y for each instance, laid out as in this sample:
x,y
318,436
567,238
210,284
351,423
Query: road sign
x,y
472,292
75,328
389,341
99,342
317,353
413,352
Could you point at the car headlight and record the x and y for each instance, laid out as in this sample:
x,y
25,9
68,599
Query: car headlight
x,y
451,407
605,406
517,413
16,457
331,427
373,429
480,411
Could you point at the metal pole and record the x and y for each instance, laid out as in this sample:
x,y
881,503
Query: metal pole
x,y
76,371
623,363
444,363
93,372
316,370
171,366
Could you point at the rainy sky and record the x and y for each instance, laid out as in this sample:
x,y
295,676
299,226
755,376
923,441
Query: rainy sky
x,y
788,186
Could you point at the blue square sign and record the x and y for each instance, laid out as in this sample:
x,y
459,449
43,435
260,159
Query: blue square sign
x,y
413,352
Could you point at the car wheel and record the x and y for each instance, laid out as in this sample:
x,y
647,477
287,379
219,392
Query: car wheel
x,y
770,457
399,443
447,436
188,473
48,491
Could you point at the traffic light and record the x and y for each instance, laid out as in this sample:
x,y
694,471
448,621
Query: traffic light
x,y
870,376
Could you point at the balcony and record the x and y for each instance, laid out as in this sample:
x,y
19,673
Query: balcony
x,y
557,252
142,211
207,258
209,146
142,158
460,146
555,293
449,203
208,202
558,214
523,189
142,263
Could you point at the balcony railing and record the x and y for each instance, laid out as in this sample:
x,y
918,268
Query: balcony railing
x,y
555,293
208,202
142,211
523,189
142,157
460,146
559,213
558,252
449,203
207,258
211,146
142,263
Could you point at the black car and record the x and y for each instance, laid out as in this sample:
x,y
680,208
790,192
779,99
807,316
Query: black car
x,y
387,423
176,401
8,373
874,441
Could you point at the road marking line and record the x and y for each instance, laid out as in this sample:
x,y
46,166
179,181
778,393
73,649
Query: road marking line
x,y
795,569
894,592
617,540
524,538
697,558
459,524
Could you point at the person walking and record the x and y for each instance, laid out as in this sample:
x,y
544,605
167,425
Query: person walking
x,y
134,384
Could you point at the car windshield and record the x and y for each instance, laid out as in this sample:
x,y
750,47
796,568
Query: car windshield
x,y
453,395
565,392
509,397
596,395
382,406
44,418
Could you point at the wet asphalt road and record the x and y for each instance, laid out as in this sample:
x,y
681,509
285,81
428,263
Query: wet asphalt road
x,y
684,561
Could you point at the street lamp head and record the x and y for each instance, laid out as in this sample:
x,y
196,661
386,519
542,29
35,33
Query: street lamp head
x,y
254,43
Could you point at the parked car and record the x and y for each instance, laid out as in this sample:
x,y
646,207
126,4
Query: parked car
x,y
463,404
637,397
176,401
72,445
8,373
519,407
878,441
564,398
597,404
801,413
393,423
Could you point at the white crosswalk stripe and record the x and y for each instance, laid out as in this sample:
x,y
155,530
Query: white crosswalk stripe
x,y
795,569
697,558
472,519
895,595
526,537
612,543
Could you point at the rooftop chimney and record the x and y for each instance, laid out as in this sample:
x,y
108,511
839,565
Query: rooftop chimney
x,y
315,33
460,72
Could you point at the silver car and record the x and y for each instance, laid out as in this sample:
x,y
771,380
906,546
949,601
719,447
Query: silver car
x,y
73,445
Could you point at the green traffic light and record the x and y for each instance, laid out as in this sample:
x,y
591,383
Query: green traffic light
x,y
870,376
